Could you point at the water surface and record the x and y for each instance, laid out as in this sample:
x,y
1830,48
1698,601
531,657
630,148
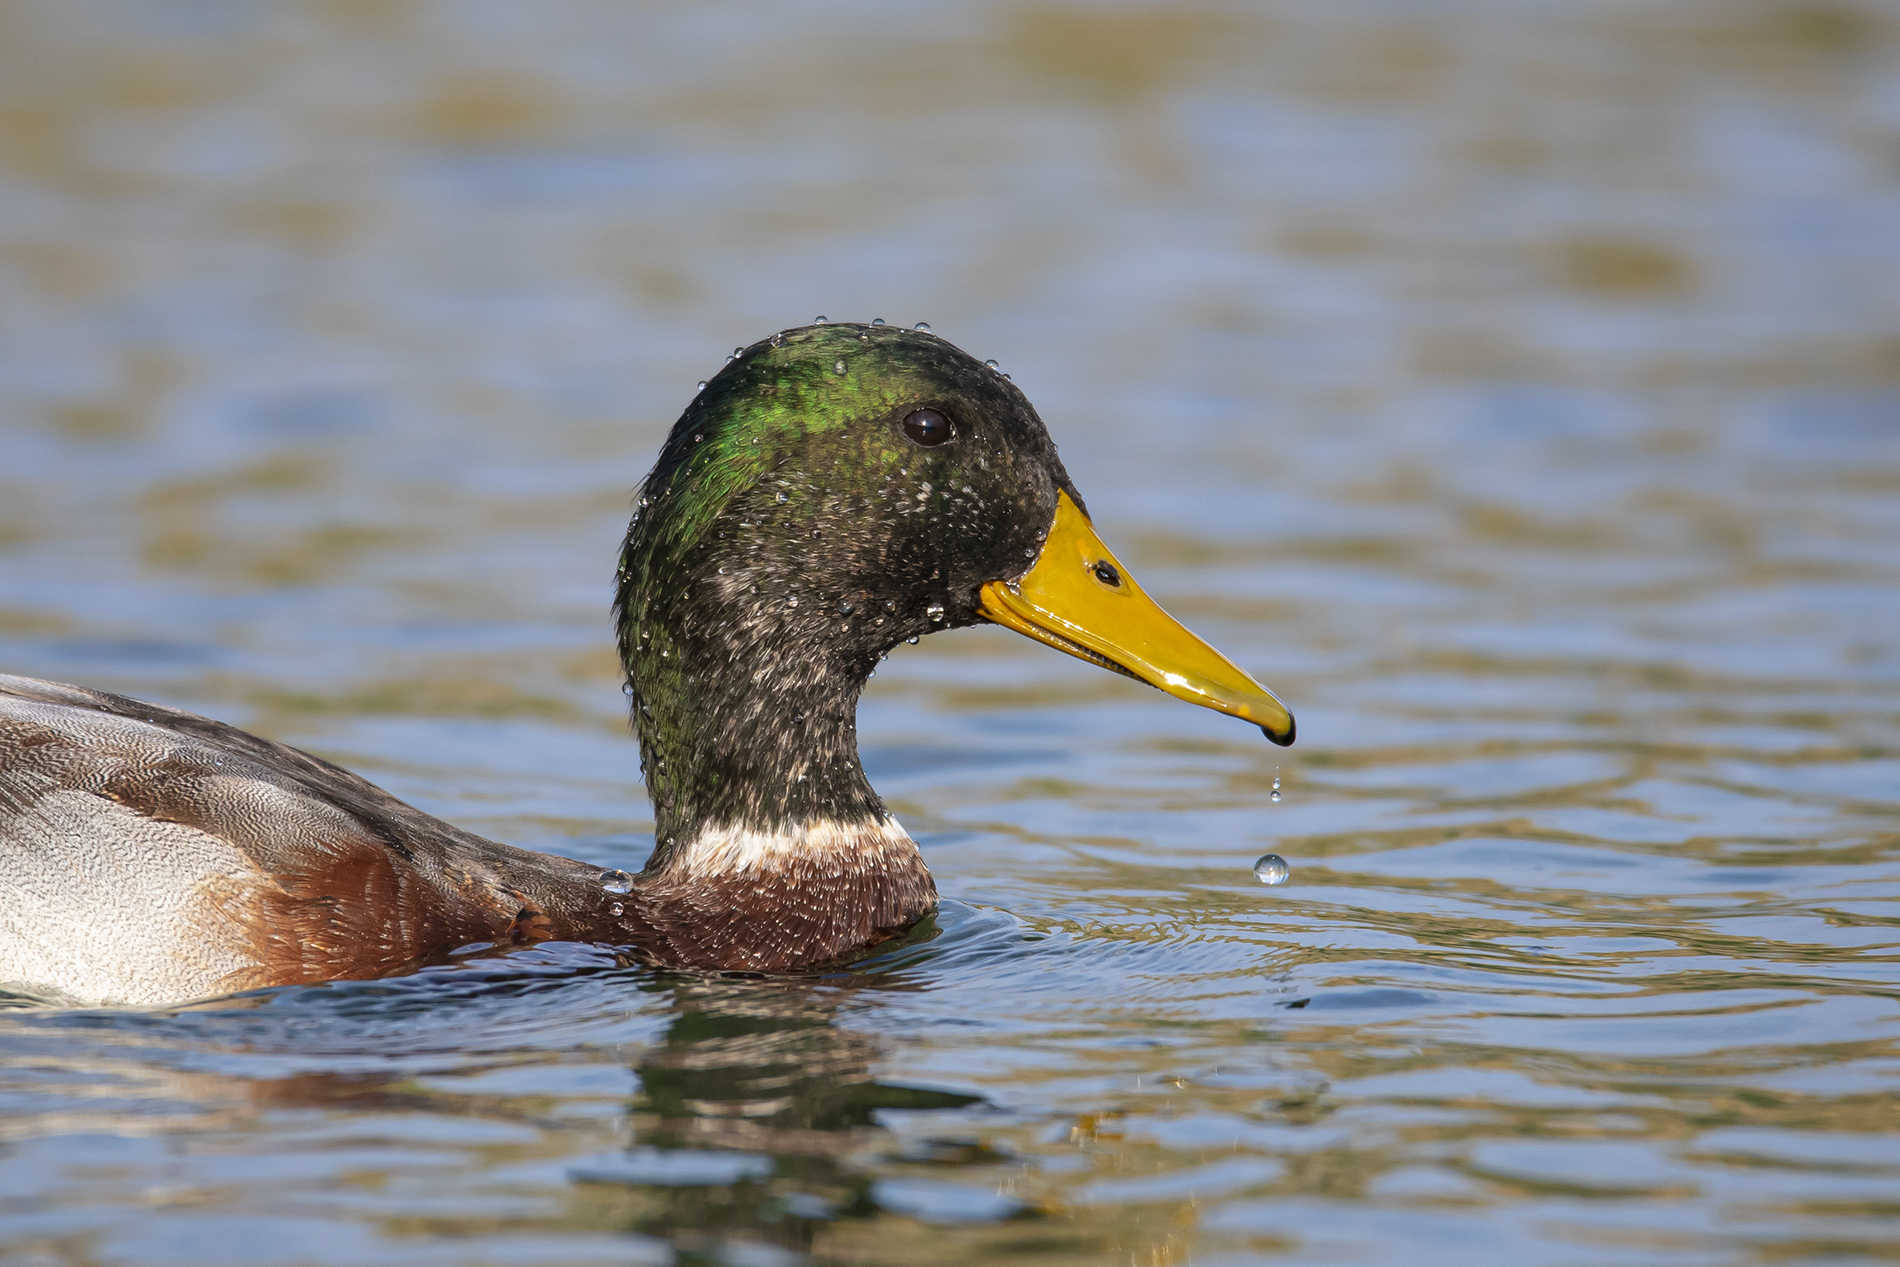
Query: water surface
x,y
1515,388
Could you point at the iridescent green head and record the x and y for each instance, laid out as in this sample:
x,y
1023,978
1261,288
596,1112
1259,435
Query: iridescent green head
x,y
833,491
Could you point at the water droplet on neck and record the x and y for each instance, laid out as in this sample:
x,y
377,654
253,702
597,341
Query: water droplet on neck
x,y
934,611
616,881
922,325
877,321
1271,869
616,909
844,607
912,640
701,387
991,363
838,367
783,498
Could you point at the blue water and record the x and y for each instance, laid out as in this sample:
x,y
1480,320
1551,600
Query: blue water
x,y
1515,390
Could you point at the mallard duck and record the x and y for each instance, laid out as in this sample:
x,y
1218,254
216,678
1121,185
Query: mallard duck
x,y
835,490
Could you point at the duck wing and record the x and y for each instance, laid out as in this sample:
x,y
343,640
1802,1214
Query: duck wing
x,y
150,855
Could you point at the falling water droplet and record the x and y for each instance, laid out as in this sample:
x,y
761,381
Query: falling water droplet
x,y
922,325
1275,798
616,909
1271,869
617,881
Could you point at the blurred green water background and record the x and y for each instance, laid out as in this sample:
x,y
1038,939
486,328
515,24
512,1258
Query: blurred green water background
x,y
1514,387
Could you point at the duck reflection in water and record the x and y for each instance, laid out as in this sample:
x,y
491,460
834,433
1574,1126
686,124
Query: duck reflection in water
x,y
748,1111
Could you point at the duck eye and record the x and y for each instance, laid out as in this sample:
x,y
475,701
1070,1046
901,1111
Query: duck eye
x,y
1105,573
927,427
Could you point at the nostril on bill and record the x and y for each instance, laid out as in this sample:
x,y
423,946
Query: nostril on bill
x,y
1105,573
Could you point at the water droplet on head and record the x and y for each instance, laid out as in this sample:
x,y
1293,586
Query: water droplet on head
x,y
792,601
735,353
701,387
991,363
922,325
818,321
1271,869
877,321
782,498
912,640
934,611
838,367
844,607
617,881
616,909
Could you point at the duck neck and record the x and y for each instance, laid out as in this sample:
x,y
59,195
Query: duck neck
x,y
748,733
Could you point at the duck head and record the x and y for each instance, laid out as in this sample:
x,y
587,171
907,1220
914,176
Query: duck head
x,y
833,491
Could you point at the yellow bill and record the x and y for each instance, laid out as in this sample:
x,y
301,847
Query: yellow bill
x,y
1078,598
